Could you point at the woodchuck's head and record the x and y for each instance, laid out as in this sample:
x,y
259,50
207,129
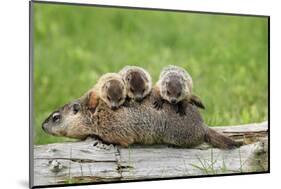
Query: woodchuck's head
x,y
173,88
138,83
69,121
112,90
113,93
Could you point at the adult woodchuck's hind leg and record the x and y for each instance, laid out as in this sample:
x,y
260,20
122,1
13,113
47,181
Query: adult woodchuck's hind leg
x,y
197,101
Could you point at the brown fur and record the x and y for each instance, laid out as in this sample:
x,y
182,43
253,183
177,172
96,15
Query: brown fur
x,y
138,82
138,123
218,140
111,89
93,100
175,86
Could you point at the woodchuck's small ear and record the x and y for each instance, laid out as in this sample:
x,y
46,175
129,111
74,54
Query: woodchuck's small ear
x,y
92,100
106,85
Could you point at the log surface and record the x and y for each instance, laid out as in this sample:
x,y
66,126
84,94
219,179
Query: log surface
x,y
78,162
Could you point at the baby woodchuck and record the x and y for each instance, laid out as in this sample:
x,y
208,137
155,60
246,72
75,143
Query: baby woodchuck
x,y
138,82
175,86
138,123
110,88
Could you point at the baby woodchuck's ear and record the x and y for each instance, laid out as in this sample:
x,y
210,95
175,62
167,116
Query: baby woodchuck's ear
x,y
92,100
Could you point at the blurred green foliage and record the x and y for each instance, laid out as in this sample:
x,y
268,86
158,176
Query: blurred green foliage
x,y
227,57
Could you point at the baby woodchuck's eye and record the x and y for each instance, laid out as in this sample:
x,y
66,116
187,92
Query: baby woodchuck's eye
x,y
168,93
132,90
76,108
108,98
56,117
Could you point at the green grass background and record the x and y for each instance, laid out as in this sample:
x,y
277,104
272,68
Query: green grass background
x,y
227,57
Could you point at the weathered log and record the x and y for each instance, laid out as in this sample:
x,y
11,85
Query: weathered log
x,y
76,162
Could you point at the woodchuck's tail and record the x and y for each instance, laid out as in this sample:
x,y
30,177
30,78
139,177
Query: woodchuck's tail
x,y
218,140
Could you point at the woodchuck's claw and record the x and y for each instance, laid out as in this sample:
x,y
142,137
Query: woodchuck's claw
x,y
155,105
126,104
158,105
180,111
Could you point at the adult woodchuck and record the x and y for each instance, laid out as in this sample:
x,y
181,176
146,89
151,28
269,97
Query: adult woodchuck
x,y
137,123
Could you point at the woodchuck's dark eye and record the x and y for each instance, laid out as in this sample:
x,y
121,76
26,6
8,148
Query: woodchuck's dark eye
x,y
76,108
168,93
143,90
56,117
108,98
132,90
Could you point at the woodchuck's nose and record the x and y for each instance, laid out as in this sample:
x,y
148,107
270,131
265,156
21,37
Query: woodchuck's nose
x,y
114,107
173,101
138,98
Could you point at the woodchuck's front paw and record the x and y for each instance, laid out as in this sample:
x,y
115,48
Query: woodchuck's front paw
x,y
126,103
180,109
158,104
